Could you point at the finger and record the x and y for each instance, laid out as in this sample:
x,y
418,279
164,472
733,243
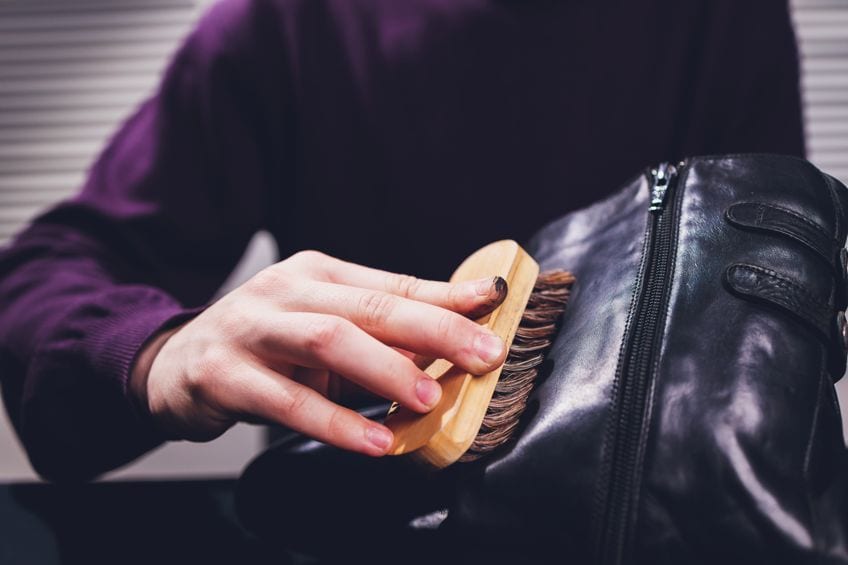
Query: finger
x,y
259,391
470,298
336,344
415,326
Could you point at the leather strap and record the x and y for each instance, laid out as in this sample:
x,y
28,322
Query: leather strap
x,y
775,219
768,286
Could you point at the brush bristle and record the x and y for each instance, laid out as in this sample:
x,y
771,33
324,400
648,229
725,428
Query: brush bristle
x,y
535,334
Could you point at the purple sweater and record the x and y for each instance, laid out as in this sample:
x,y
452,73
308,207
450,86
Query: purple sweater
x,y
401,134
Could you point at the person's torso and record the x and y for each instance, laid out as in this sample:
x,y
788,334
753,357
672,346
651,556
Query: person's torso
x,y
428,128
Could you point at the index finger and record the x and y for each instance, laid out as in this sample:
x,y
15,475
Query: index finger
x,y
470,298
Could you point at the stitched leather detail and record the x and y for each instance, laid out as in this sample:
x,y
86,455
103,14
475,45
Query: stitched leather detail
x,y
771,218
768,286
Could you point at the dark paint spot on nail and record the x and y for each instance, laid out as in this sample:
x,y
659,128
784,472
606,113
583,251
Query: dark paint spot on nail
x,y
501,288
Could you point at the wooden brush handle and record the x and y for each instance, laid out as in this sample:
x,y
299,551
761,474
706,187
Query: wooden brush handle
x,y
441,436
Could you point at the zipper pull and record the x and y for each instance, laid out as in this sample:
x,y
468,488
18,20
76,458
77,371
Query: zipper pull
x,y
662,176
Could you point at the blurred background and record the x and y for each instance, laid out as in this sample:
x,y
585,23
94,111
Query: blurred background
x,y
72,70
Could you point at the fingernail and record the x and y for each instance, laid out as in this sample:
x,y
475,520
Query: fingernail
x,y
428,391
488,293
484,286
489,348
493,287
381,438
500,286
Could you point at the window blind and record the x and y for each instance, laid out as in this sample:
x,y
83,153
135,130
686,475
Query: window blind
x,y
822,28
69,73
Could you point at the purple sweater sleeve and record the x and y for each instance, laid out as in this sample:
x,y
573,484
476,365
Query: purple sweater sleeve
x,y
161,220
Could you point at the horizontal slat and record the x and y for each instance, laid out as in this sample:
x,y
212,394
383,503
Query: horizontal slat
x,y
107,19
812,19
64,101
833,157
47,117
53,8
73,53
830,129
826,81
68,85
814,66
821,143
12,213
31,39
82,148
59,70
820,96
826,112
61,182
823,37
824,48
45,164
33,198
812,5
56,133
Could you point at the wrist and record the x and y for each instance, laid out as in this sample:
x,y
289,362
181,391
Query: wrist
x,y
140,370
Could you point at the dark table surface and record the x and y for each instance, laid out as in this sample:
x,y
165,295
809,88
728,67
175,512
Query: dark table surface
x,y
126,523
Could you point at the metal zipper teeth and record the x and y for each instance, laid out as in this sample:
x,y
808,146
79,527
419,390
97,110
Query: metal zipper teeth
x,y
634,375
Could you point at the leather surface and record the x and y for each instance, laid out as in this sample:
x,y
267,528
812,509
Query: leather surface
x,y
742,454
742,393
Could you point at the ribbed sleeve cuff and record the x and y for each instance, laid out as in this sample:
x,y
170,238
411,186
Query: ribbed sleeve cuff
x,y
78,419
132,316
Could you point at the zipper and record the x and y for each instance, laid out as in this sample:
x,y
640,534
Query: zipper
x,y
661,177
634,375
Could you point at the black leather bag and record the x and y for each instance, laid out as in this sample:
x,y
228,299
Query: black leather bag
x,y
686,414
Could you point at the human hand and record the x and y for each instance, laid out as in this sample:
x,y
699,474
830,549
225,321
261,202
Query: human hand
x,y
274,349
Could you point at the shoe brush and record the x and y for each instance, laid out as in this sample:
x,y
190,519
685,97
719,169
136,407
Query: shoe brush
x,y
478,414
